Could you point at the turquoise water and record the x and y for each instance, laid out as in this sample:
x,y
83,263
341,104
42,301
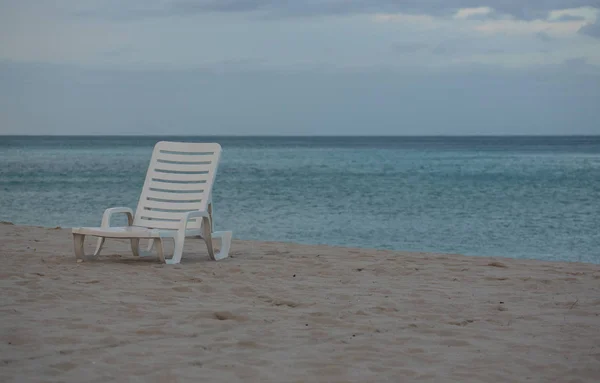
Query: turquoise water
x,y
525,197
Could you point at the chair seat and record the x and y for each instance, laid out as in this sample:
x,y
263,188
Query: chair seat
x,y
130,232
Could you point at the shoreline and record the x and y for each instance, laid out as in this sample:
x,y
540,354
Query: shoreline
x,y
288,312
247,242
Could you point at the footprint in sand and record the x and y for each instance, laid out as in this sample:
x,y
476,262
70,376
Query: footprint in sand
x,y
182,289
497,264
446,333
205,289
455,343
248,344
243,291
150,331
226,315
462,323
496,278
279,302
65,366
382,309
276,252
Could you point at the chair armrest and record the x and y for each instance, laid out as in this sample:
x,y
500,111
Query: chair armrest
x,y
108,213
191,215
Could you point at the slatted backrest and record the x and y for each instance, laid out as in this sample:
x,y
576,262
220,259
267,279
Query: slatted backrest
x,y
179,179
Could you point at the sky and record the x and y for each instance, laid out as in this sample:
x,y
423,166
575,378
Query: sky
x,y
302,67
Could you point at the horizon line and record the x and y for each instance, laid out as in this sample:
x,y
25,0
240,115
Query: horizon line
x,y
302,136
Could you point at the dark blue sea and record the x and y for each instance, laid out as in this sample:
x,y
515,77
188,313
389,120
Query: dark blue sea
x,y
521,197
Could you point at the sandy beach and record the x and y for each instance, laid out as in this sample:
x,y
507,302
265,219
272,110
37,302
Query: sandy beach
x,y
278,312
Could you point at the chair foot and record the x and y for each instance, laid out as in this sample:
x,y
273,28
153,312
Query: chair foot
x,y
135,247
78,241
99,246
160,249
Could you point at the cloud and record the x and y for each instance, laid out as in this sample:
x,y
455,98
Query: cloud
x,y
448,48
461,47
473,13
567,17
521,9
543,36
580,65
423,20
591,29
408,47
522,27
577,62
120,50
573,14
233,30
486,21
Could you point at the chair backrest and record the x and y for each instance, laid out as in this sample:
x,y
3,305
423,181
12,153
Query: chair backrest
x,y
179,179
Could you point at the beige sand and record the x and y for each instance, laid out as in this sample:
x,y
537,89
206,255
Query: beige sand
x,y
279,312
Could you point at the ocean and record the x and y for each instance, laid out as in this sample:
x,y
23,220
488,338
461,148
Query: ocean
x,y
520,197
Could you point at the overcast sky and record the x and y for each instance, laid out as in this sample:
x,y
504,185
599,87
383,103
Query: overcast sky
x,y
333,67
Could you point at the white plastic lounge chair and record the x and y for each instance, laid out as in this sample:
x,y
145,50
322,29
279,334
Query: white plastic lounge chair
x,y
175,203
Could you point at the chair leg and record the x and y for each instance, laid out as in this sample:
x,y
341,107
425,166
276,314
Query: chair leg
x,y
99,246
178,250
207,236
225,239
140,252
160,249
135,247
210,215
78,241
